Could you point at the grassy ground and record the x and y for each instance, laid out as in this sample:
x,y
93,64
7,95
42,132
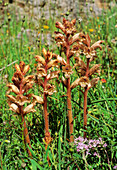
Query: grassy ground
x,y
19,41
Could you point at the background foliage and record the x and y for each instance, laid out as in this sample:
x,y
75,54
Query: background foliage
x,y
20,40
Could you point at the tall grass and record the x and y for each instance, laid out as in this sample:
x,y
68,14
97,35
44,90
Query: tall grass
x,y
16,44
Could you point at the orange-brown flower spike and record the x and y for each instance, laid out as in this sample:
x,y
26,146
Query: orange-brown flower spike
x,y
89,51
76,44
45,73
85,72
20,87
68,41
67,27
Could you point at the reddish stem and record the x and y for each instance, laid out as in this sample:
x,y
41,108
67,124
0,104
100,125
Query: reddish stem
x,y
25,131
85,101
69,105
46,115
87,70
46,118
85,110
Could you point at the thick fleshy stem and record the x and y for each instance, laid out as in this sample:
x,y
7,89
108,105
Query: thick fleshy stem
x,y
46,119
69,105
85,101
47,133
46,115
25,132
85,110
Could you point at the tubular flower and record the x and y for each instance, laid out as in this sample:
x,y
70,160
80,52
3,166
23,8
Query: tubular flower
x,y
67,70
89,51
60,39
49,89
67,27
45,68
80,66
95,69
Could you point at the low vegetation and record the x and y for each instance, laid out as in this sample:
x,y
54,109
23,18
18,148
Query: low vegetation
x,y
58,99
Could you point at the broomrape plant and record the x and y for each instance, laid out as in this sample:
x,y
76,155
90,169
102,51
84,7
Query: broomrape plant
x,y
16,102
86,81
67,40
77,44
45,74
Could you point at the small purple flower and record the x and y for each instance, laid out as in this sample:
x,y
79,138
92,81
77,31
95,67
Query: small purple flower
x,y
94,144
88,153
81,139
78,150
100,138
89,145
85,146
115,167
105,145
80,145
95,154
91,141
98,142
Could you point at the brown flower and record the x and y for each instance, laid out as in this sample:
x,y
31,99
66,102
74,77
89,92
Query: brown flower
x,y
94,81
60,59
20,100
40,59
82,81
75,38
60,39
74,50
14,108
88,50
41,72
52,63
53,74
81,66
49,89
67,70
29,108
20,86
12,88
67,27
47,55
37,99
75,83
94,69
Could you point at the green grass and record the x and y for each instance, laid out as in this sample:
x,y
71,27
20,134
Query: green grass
x,y
102,100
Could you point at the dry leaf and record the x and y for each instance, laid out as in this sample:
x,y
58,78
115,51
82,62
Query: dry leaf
x,y
52,63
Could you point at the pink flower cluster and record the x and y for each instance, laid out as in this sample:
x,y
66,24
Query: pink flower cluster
x,y
88,145
115,167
